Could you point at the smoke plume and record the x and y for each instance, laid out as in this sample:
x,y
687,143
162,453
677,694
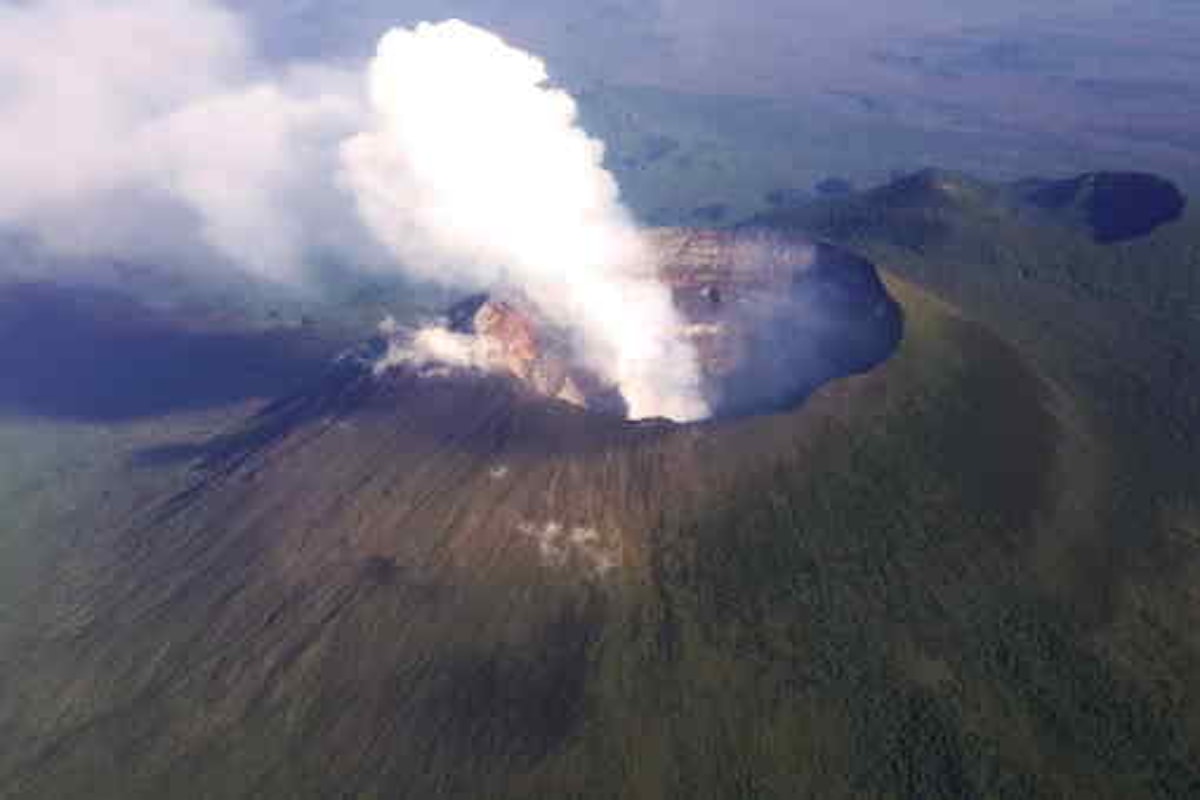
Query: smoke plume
x,y
474,171
151,131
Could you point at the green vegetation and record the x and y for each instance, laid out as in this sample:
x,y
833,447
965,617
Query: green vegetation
x,y
1116,325
969,573
884,614
885,593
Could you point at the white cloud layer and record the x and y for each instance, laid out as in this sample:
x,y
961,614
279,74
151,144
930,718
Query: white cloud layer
x,y
149,131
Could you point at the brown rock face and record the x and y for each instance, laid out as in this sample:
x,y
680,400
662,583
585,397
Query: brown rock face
x,y
532,350
771,318
520,344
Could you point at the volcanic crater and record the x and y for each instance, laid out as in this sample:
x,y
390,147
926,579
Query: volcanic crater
x,y
771,317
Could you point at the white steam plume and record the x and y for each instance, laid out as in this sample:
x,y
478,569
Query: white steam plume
x,y
475,173
152,131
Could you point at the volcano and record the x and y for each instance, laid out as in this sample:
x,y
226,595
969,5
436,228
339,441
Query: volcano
x,y
919,572
421,580
426,554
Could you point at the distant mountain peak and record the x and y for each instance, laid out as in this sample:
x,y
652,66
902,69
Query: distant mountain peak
x,y
1111,206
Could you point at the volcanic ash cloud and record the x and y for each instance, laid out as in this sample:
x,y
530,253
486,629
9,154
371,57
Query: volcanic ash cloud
x,y
473,172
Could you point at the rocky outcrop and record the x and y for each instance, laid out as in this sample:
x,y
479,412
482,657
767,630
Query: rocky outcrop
x,y
524,344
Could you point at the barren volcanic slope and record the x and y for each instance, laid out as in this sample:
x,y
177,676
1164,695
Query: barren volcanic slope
x,y
418,585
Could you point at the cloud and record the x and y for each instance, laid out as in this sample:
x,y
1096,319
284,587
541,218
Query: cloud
x,y
150,131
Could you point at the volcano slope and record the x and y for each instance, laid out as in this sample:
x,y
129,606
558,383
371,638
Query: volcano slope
x,y
1108,308
448,586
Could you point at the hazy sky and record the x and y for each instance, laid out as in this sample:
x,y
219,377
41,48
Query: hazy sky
x,y
756,46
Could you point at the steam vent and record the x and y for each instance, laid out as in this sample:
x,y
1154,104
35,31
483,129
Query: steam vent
x,y
772,317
